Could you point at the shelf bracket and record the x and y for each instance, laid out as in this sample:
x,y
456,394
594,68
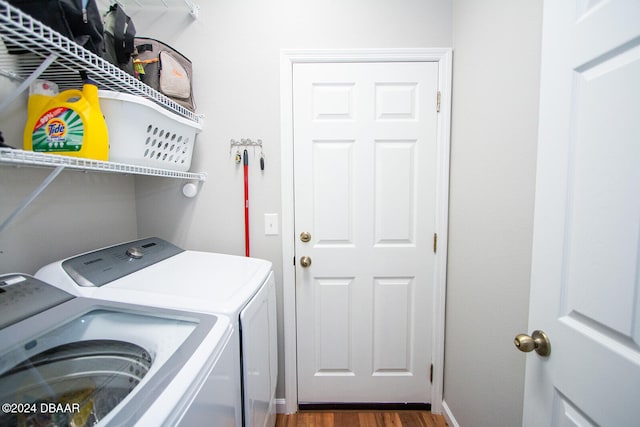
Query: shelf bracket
x,y
27,201
27,82
194,9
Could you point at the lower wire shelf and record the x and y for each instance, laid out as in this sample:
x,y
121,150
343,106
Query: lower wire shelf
x,y
29,158
59,163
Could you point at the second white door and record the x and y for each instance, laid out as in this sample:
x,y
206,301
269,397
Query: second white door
x,y
585,274
365,193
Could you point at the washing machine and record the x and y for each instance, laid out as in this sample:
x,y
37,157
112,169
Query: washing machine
x,y
78,361
154,271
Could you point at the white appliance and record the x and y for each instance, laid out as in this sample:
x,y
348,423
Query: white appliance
x,y
154,271
68,360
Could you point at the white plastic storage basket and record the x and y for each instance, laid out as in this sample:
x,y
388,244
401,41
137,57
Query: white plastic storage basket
x,y
145,134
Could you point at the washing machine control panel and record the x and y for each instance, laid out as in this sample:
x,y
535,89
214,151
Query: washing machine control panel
x,y
106,265
23,296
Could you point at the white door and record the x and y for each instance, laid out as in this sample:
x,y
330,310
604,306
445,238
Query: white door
x,y
365,172
585,279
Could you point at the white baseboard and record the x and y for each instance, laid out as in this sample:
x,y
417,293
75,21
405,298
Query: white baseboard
x,y
448,416
281,406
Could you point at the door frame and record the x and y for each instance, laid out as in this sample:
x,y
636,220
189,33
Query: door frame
x,y
289,57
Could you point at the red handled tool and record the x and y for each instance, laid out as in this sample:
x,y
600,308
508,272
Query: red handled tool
x,y
246,202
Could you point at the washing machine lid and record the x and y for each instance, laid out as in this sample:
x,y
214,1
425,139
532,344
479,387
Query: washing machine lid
x,y
22,296
159,274
206,281
81,353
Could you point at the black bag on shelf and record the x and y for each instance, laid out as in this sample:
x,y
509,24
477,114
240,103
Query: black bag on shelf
x,y
119,35
2,144
165,70
78,20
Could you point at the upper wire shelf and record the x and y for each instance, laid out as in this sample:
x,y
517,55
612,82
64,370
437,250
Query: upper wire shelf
x,y
67,60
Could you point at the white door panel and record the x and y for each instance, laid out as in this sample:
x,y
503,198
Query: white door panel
x,y
365,171
586,257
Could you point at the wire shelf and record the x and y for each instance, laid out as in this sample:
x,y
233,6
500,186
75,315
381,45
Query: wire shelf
x,y
29,158
19,30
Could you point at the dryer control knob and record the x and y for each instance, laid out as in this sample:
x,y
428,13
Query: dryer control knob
x,y
134,253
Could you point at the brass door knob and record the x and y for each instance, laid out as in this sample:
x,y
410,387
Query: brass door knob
x,y
538,341
305,261
305,236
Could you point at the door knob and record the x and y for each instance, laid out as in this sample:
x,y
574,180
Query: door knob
x,y
538,341
305,236
305,261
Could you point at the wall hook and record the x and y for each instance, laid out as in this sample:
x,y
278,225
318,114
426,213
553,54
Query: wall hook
x,y
246,142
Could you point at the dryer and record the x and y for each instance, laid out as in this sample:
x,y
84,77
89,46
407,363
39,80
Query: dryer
x,y
68,360
156,272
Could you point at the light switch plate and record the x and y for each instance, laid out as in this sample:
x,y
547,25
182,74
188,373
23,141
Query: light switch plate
x,y
271,224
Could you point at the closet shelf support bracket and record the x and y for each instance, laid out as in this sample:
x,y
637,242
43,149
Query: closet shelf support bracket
x,y
27,82
27,201
194,9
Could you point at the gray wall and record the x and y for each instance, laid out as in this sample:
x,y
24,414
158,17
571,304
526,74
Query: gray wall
x,y
238,88
493,150
77,212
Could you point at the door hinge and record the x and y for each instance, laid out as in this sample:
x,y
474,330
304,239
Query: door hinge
x,y
431,374
438,102
435,242
294,260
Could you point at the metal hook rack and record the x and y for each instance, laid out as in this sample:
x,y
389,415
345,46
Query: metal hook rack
x,y
246,142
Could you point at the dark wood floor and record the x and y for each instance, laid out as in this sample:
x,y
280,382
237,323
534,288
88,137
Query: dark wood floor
x,y
349,418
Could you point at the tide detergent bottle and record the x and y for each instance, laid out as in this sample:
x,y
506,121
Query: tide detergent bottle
x,y
69,123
